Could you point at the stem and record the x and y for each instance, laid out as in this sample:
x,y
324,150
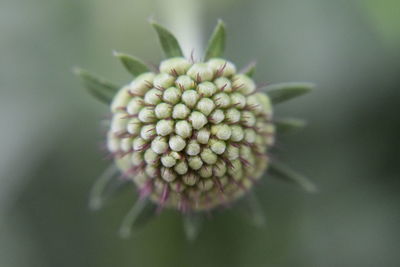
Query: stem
x,y
183,17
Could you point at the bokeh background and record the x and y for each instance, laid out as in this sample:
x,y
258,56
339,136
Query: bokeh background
x,y
51,132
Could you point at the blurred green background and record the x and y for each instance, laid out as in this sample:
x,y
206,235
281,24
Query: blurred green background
x,y
51,132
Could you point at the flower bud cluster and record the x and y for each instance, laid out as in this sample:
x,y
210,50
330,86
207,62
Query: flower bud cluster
x,y
193,136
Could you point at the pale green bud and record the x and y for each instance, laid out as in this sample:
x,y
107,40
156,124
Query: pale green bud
x,y
142,84
177,143
195,162
200,72
205,106
163,80
243,84
217,116
192,148
120,100
180,111
183,129
197,119
172,95
190,98
165,127
177,65
153,97
222,67
208,156
206,89
222,100
184,82
163,110
203,136
223,84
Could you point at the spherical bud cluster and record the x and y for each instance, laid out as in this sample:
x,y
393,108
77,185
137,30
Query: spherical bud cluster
x,y
193,136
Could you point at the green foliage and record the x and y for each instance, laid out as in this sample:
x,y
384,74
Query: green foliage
x,y
168,41
289,125
133,65
140,214
96,198
250,69
101,89
192,224
216,44
251,210
283,172
282,92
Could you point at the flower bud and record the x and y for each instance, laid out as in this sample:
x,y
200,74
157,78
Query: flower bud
x,y
175,66
222,67
180,111
163,111
243,84
184,82
197,119
190,98
153,97
163,80
177,143
205,106
186,133
183,129
141,84
200,72
172,95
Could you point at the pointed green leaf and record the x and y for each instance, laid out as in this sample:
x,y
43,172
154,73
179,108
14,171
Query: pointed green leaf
x,y
192,225
289,125
250,69
282,92
252,211
98,87
168,41
280,170
133,65
96,198
140,214
216,44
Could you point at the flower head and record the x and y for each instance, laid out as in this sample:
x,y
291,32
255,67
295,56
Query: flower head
x,y
192,135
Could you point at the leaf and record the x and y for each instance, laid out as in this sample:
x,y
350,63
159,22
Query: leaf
x,y
140,214
252,211
168,41
96,198
250,69
191,225
282,92
283,172
133,65
289,125
98,87
216,44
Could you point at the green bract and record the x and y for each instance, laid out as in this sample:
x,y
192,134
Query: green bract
x,y
192,135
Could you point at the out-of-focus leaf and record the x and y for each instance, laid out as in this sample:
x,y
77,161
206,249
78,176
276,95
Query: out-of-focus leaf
x,y
250,69
96,198
132,64
101,89
283,172
252,211
168,41
140,214
282,92
192,224
216,44
289,125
